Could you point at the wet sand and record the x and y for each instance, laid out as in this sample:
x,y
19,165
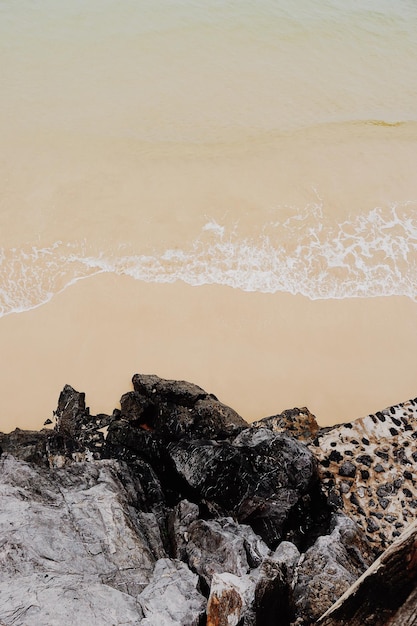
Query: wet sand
x,y
259,353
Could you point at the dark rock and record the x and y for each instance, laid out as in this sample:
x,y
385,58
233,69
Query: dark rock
x,y
365,459
178,410
27,445
71,411
347,469
266,480
222,545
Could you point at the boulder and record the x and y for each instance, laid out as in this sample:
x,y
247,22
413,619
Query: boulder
x,y
386,594
266,480
72,535
171,597
222,545
230,601
178,410
328,568
299,423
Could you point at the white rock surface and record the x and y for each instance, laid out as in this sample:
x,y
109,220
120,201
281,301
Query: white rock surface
x,y
171,598
72,550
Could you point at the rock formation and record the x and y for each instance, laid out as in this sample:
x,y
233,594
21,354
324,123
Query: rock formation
x,y
367,469
173,511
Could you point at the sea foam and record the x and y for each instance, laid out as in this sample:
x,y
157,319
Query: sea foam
x,y
373,254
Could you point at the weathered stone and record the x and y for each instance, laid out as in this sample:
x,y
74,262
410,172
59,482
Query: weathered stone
x,y
386,593
299,423
222,545
71,533
178,410
179,521
70,411
328,568
230,600
171,597
266,480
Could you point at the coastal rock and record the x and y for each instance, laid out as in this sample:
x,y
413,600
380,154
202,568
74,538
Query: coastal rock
x,y
266,480
70,533
230,601
299,423
174,511
328,568
178,410
222,545
171,597
366,468
386,593
27,445
179,521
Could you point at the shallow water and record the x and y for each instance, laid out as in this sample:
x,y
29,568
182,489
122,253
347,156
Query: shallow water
x,y
266,148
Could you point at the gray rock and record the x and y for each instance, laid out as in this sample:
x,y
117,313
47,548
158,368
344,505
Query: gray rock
x,y
386,593
328,568
182,516
222,545
66,534
171,598
230,601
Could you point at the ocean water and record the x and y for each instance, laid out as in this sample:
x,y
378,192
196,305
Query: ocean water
x,y
268,148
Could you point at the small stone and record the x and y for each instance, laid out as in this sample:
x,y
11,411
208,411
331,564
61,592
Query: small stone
x,y
372,525
383,503
365,459
345,486
347,469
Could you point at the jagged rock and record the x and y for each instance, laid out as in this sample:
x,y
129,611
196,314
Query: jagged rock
x,y
259,597
172,598
27,445
68,533
179,521
230,601
42,599
266,480
387,591
70,411
105,516
299,423
178,410
273,596
328,568
222,545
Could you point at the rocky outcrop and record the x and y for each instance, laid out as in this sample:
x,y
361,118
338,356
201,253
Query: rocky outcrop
x,y
386,594
367,469
72,544
173,511
299,423
329,568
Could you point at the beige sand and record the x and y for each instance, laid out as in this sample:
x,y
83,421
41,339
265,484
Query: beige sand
x,y
258,353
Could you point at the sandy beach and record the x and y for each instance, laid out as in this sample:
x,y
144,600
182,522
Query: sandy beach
x,y
259,353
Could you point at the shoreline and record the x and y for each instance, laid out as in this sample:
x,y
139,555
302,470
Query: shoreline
x,y
258,353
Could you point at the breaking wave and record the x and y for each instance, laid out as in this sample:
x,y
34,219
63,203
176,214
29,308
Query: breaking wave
x,y
371,255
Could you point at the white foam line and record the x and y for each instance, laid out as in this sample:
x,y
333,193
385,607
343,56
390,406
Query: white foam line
x,y
373,255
